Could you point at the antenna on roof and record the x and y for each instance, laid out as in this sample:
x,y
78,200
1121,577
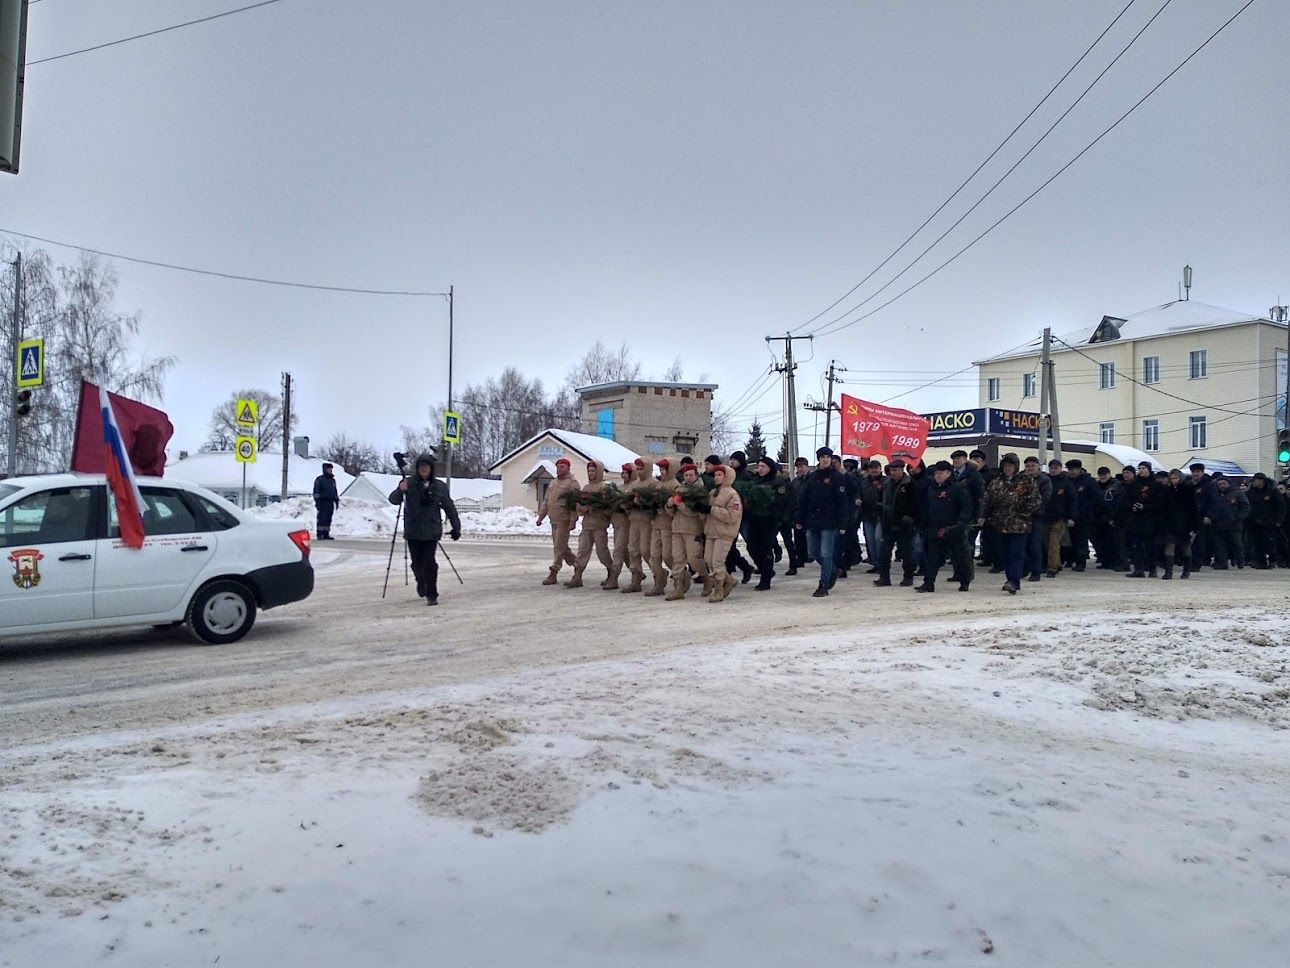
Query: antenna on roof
x,y
1187,282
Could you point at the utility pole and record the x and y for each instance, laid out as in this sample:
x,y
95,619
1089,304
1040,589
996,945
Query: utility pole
x,y
1050,372
1045,414
447,461
790,402
16,338
286,431
834,369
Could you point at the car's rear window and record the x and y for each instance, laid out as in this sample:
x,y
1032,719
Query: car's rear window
x,y
7,489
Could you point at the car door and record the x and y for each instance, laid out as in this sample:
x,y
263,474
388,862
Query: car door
x,y
153,580
48,550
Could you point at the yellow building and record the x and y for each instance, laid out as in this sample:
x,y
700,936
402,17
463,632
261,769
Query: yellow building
x,y
1183,382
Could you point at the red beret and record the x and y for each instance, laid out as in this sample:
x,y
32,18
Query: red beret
x,y
639,462
562,460
663,462
629,467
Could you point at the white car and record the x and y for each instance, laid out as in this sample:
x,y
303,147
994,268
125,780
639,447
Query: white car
x,y
203,562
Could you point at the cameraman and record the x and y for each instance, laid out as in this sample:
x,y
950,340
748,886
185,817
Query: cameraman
x,y
425,500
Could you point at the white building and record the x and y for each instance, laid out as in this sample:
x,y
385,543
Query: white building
x,y
220,472
1183,382
468,494
528,470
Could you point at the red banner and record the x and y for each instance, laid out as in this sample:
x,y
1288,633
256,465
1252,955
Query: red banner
x,y
144,432
872,430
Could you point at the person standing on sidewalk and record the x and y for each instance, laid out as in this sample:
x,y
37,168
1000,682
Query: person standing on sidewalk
x,y
1011,501
822,513
326,501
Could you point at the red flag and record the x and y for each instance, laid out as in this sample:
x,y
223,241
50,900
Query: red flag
x,y
144,432
870,429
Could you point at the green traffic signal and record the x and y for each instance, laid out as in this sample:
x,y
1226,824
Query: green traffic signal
x,y
1283,446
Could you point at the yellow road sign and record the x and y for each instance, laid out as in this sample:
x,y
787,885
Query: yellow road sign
x,y
244,450
247,413
31,363
452,427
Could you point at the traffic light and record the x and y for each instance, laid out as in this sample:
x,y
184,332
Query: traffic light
x,y
1283,446
22,403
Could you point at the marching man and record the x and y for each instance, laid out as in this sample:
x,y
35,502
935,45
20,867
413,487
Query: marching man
x,y
660,534
595,528
687,540
562,519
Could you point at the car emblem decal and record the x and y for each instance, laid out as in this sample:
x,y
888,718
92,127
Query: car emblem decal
x,y
26,567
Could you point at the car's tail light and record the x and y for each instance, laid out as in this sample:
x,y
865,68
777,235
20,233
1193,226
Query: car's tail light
x,y
301,540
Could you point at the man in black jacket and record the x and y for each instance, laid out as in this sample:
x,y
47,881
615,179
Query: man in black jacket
x,y
1086,496
795,540
425,500
1267,511
902,514
871,484
948,516
326,501
822,513
1059,515
1226,509
1142,508
1202,487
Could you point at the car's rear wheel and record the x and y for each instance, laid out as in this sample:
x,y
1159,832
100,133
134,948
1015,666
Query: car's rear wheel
x,y
221,612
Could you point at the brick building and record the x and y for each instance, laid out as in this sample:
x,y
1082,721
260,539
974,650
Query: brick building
x,y
654,419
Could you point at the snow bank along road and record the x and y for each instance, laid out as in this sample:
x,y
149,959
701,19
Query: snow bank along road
x,y
1096,772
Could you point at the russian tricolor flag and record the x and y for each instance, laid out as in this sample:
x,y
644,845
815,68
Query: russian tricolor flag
x,y
125,489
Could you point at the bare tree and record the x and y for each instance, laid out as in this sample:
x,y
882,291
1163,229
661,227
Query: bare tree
x,y
722,433
601,365
674,373
355,456
223,426
71,307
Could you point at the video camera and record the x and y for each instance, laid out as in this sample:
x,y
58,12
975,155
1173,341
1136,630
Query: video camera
x,y
401,459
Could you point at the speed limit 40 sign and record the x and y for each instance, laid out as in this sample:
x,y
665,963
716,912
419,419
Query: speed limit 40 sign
x,y
244,450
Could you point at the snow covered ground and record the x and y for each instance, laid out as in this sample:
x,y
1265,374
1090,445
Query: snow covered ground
x,y
1101,787
368,519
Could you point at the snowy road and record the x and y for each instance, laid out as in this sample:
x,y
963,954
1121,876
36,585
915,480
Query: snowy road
x,y
1093,772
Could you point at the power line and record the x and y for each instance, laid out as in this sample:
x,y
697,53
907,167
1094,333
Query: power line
x,y
1015,165
975,171
222,275
1152,386
152,33
1050,180
933,383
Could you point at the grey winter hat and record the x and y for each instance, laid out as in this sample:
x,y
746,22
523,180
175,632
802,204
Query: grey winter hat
x,y
1009,458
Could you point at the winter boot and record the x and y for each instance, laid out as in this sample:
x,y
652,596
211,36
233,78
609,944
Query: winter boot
x,y
720,589
763,585
707,586
882,581
575,581
963,586
907,581
924,587
680,585
610,584
635,585
747,569
1169,568
1186,572
660,584
820,592
550,578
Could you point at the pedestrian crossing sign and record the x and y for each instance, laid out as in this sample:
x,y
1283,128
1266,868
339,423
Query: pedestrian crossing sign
x,y
452,428
246,413
31,363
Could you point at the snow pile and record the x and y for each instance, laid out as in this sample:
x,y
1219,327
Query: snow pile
x,y
353,519
512,520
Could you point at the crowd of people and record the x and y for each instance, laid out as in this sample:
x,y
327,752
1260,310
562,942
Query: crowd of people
x,y
705,524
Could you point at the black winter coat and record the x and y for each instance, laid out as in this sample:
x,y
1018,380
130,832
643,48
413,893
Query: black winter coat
x,y
949,505
1142,506
823,504
1227,511
424,504
325,490
871,498
974,484
1087,496
902,506
1267,510
1059,503
1180,517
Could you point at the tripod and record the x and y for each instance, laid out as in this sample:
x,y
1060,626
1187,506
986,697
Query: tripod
x,y
398,516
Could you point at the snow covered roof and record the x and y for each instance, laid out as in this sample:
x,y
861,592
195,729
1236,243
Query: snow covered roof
x,y
1126,455
471,489
220,471
541,467
610,453
622,384
1179,316
1227,467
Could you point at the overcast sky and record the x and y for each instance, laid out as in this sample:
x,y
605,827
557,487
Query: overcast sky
x,y
688,176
